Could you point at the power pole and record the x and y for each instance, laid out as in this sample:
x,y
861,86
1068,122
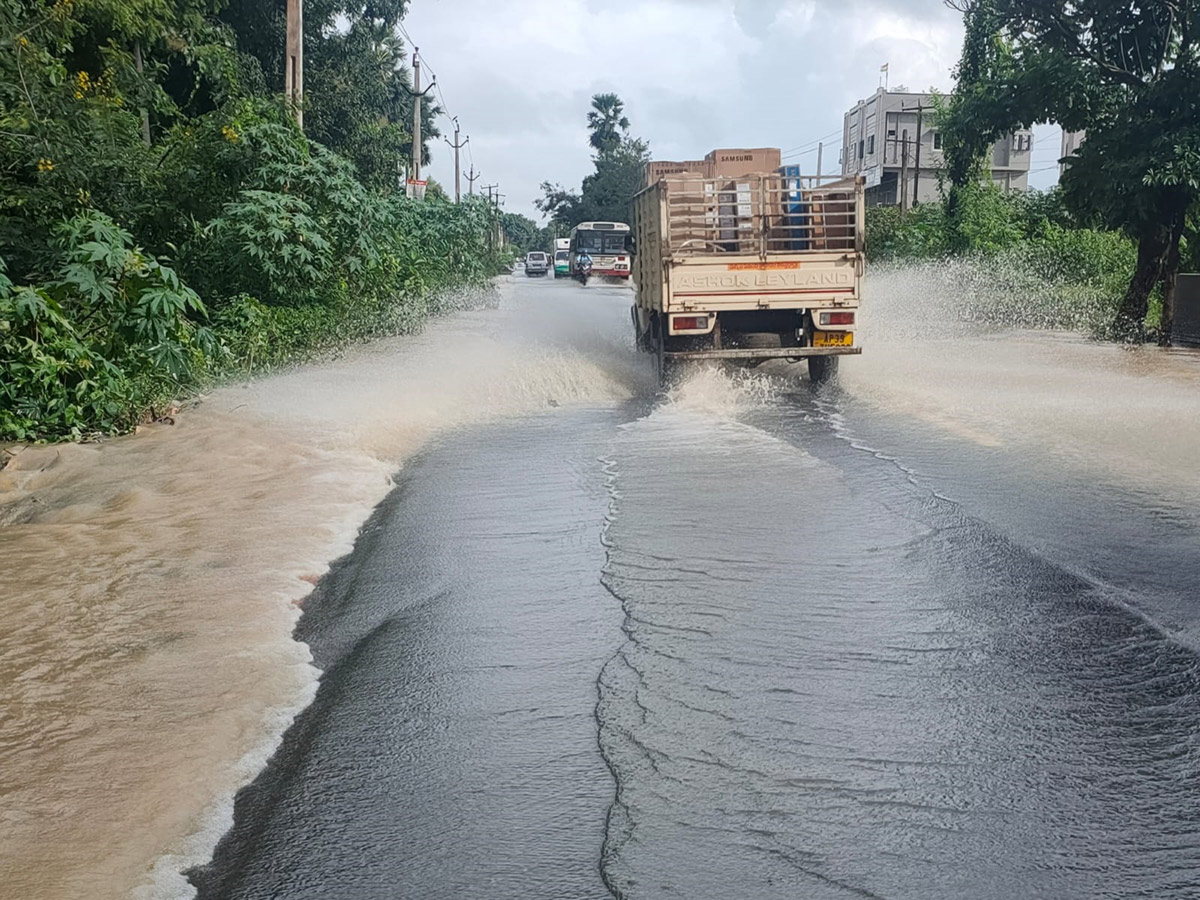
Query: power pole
x,y
820,151
916,199
457,171
492,242
418,95
471,179
293,63
904,171
143,112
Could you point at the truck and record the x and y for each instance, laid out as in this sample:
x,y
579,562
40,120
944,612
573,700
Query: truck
x,y
749,269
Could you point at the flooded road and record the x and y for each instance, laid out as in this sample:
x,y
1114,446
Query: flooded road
x,y
756,640
930,634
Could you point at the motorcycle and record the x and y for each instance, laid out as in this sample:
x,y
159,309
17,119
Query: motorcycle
x,y
585,272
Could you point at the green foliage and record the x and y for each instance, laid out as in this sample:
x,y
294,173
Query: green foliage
x,y
111,335
1127,72
130,124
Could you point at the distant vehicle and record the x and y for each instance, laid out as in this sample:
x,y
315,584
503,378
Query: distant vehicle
x,y
610,244
536,263
562,263
562,243
770,267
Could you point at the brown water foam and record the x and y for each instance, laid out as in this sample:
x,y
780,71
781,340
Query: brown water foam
x,y
152,584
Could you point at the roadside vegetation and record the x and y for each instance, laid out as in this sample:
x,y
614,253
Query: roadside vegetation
x,y
1128,74
165,222
1016,259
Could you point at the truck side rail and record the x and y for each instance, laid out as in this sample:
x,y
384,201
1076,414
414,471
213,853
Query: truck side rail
x,y
763,215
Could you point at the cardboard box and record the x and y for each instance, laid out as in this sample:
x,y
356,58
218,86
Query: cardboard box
x,y
739,162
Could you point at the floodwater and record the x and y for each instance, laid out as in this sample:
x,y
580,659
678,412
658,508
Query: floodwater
x,y
930,634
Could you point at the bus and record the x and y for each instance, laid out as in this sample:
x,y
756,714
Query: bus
x,y
562,257
608,243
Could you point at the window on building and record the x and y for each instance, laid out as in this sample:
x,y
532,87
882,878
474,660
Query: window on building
x,y
937,140
870,145
861,145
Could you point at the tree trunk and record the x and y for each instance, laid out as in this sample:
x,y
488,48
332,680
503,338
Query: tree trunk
x,y
1130,321
1170,271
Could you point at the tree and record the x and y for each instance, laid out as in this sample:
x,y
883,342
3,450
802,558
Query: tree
x,y
1126,71
357,99
619,161
607,122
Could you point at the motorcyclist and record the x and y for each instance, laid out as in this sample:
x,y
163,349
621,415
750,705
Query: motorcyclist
x,y
583,263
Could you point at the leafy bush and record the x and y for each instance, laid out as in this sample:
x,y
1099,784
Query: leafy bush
x,y
103,341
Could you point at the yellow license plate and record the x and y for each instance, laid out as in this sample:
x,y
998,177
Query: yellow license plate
x,y
833,339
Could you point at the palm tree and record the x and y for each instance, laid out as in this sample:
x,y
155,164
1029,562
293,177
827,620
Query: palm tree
x,y
607,122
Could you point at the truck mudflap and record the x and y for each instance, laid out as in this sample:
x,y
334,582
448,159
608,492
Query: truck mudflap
x,y
765,353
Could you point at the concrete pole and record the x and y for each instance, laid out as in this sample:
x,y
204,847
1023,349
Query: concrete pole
x,y
820,151
457,145
142,111
471,179
916,199
416,147
457,167
904,171
293,64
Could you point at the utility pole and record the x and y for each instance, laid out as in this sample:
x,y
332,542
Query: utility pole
x,y
142,111
820,151
916,199
418,95
471,179
457,171
492,242
293,63
904,171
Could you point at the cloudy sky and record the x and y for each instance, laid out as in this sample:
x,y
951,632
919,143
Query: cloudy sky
x,y
694,75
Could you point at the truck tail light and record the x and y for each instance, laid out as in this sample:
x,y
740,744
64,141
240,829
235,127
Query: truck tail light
x,y
836,318
620,259
689,323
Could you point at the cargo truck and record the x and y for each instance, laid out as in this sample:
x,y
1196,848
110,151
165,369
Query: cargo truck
x,y
749,269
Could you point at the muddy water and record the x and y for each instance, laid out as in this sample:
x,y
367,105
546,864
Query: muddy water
x,y
152,584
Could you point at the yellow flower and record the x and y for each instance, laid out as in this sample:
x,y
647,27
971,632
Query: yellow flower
x,y
229,133
45,165
23,42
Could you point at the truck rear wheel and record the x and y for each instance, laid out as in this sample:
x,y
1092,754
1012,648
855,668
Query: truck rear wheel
x,y
822,369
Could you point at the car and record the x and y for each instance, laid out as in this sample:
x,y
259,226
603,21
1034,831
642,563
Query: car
x,y
536,263
562,263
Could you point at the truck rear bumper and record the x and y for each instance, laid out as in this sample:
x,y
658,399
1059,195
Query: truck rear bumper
x,y
769,353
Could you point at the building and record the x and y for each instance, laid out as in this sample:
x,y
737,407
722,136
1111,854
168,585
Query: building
x,y
720,163
1071,141
890,139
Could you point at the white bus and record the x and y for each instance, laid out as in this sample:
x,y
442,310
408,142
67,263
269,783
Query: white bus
x,y
608,243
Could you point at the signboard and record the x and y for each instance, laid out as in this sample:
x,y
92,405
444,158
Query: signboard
x,y
873,175
416,189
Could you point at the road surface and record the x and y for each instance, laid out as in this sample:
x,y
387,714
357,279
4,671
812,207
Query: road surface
x,y
931,633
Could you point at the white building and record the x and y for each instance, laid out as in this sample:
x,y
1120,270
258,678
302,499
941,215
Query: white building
x,y
890,138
